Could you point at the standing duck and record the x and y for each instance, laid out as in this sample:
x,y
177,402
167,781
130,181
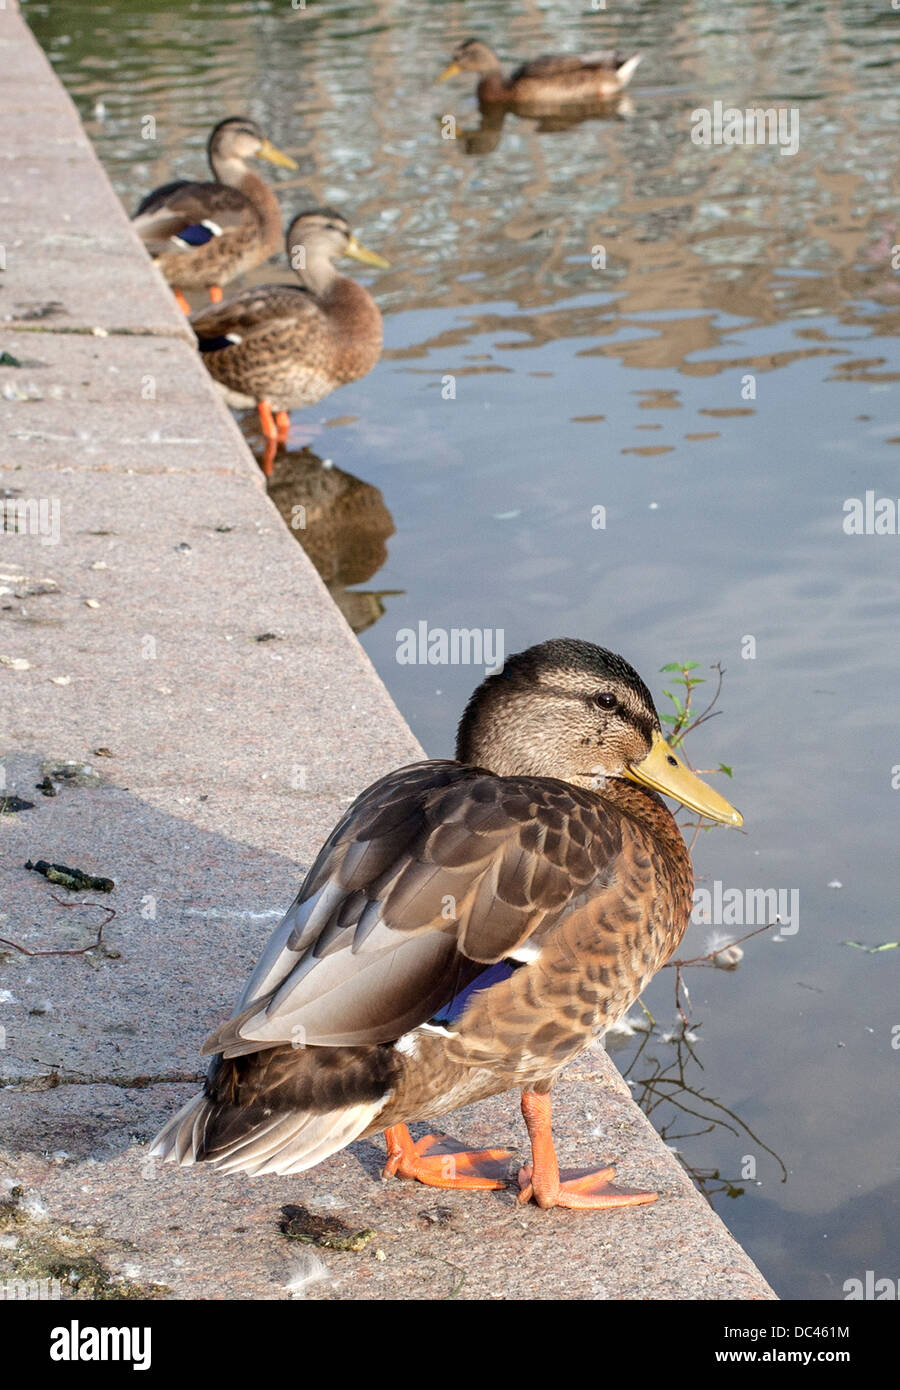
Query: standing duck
x,y
281,347
468,927
554,79
201,235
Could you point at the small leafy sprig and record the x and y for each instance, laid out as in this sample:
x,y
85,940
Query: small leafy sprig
x,y
684,721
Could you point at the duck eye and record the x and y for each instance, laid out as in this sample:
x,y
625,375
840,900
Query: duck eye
x,y
605,700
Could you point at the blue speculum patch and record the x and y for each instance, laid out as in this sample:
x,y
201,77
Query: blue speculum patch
x,y
491,975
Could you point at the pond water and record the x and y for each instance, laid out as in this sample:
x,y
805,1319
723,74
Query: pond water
x,y
656,453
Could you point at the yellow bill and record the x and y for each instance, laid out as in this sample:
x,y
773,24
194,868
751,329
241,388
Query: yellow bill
x,y
357,252
268,151
666,773
449,71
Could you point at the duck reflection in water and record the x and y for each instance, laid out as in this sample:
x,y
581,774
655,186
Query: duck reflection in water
x,y
343,525
485,137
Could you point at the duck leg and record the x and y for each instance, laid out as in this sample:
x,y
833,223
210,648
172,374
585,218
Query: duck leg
x,y
270,430
181,302
541,1179
216,294
283,424
407,1159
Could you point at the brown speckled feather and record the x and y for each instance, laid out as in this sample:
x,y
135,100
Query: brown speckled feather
x,y
294,346
567,66
434,872
560,79
169,210
250,219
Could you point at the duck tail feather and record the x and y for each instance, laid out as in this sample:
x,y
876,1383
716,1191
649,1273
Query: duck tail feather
x,y
177,1140
625,71
235,1140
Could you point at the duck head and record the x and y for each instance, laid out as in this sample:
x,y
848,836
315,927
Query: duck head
x,y
575,711
236,140
319,237
471,56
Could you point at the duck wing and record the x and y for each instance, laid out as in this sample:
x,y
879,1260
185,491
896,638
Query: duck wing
x,y
435,872
252,308
609,60
548,65
192,214
568,65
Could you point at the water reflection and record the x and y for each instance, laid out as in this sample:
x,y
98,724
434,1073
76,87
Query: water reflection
x,y
664,1073
341,522
485,137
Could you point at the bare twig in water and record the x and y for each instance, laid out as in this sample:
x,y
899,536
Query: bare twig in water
x,y
708,960
660,1087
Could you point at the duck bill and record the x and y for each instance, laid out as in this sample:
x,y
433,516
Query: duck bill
x,y
357,252
268,152
449,71
666,773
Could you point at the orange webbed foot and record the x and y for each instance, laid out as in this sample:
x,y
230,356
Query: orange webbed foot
x,y
581,1191
542,1182
429,1161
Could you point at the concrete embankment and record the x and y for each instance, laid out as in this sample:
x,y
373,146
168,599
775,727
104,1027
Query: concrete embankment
x,y
169,650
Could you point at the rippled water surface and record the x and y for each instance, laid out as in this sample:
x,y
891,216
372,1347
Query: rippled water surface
x,y
624,388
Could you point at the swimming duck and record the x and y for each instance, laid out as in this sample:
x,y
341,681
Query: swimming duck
x,y
554,78
201,235
281,347
468,927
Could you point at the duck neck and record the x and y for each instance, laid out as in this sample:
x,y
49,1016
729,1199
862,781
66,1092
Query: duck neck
x,y
318,274
493,85
265,205
653,815
355,320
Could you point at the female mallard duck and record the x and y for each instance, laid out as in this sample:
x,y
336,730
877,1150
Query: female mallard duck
x,y
555,78
281,347
468,927
201,235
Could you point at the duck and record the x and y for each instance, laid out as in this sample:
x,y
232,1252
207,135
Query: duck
x,y
554,79
280,347
202,235
468,928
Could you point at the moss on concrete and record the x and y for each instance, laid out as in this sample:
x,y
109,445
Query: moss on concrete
x,y
75,1257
